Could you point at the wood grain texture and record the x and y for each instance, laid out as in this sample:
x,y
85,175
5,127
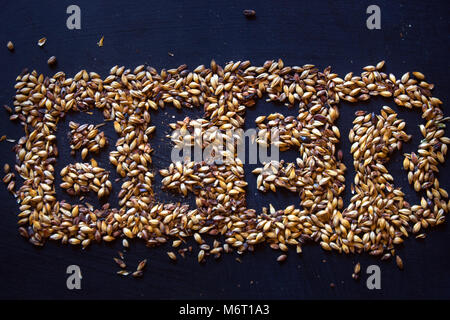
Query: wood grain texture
x,y
414,36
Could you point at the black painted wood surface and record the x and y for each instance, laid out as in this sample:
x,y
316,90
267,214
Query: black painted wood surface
x,y
414,36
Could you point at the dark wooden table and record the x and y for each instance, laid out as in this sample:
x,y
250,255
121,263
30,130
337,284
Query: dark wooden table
x,y
414,35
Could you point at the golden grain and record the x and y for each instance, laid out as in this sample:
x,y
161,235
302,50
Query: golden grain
x,y
377,219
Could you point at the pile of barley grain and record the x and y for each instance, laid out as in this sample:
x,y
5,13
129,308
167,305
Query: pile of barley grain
x,y
87,137
83,177
377,218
